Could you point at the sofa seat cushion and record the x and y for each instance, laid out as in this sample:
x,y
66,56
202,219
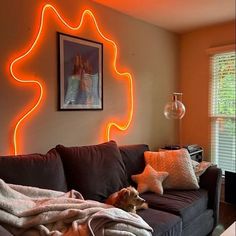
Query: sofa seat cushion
x,y
163,223
36,170
95,171
187,204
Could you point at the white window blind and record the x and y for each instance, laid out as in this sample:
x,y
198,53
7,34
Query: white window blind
x,y
222,112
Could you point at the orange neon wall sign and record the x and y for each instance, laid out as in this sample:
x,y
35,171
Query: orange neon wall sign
x,y
47,7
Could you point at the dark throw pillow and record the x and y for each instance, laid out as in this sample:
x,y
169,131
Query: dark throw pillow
x,y
95,171
36,170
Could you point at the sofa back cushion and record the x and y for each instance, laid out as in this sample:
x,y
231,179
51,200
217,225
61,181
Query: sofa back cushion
x,y
36,170
95,171
133,157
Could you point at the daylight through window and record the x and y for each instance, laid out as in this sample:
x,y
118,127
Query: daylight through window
x,y
222,111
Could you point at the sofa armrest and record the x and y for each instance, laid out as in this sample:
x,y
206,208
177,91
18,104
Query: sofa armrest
x,y
211,181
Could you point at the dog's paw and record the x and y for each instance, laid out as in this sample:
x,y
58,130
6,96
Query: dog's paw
x,y
143,206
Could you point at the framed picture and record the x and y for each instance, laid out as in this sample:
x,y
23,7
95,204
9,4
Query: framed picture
x,y
80,73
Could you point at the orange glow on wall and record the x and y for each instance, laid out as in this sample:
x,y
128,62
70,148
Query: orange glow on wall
x,y
34,83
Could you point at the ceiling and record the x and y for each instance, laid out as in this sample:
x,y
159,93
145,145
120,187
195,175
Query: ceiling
x,y
176,15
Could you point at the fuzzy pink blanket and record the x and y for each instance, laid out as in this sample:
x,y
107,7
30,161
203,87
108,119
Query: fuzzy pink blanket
x,y
32,211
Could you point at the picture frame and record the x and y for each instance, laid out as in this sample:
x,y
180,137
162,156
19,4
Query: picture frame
x,y
80,73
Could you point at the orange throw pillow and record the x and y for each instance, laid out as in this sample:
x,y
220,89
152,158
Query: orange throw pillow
x,y
179,166
150,180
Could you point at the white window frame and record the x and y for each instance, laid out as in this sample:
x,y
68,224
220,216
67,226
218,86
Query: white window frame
x,y
214,118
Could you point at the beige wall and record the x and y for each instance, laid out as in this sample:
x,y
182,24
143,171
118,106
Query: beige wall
x,y
149,53
194,80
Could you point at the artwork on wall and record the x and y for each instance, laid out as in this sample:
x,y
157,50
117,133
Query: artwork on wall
x,y
80,73
23,55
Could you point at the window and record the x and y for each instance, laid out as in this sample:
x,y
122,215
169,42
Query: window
x,y
222,113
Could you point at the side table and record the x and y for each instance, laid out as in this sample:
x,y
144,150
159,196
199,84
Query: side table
x,y
195,151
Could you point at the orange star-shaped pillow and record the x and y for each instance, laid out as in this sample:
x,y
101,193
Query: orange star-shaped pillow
x,y
150,180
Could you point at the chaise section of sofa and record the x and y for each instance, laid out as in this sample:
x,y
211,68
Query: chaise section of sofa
x,y
163,223
194,207
189,205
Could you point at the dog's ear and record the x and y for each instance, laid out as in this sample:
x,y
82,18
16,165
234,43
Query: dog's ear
x,y
132,191
124,194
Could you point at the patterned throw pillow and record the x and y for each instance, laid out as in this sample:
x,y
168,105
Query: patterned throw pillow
x,y
179,166
150,180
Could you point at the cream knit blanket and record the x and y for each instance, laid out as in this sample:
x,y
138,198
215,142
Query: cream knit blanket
x,y
31,211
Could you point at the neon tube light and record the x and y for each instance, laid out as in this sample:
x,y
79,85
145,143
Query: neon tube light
x,y
35,82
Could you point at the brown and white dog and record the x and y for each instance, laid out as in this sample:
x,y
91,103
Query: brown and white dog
x,y
127,199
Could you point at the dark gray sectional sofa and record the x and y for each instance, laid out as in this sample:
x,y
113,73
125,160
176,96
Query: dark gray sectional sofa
x,y
99,170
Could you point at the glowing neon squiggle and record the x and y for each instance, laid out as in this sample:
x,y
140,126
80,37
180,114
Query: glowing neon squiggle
x,y
18,59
